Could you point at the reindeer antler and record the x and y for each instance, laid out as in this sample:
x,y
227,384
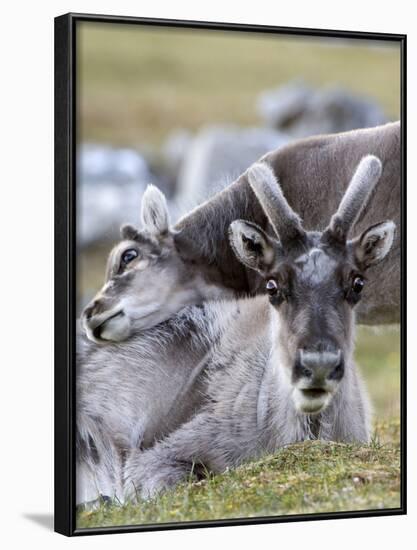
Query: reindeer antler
x,y
286,223
357,194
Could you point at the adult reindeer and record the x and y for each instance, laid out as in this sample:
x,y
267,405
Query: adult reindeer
x,y
281,372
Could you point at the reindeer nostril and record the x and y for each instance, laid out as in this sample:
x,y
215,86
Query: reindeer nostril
x,y
308,373
338,372
90,310
301,371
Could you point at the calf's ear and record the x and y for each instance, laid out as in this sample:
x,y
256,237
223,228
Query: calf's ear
x,y
154,212
128,232
252,246
374,244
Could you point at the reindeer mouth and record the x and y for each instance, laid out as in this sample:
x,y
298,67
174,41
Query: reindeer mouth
x,y
100,329
311,400
116,327
314,393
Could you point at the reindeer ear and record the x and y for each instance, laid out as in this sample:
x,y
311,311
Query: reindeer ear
x,y
128,232
374,244
252,246
154,212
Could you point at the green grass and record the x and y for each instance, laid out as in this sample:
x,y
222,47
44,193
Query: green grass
x,y
378,354
309,477
137,84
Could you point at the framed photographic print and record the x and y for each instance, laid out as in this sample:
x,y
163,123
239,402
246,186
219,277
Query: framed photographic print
x,y
230,263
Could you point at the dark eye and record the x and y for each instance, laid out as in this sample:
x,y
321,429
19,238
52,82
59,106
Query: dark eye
x,y
129,255
357,284
271,287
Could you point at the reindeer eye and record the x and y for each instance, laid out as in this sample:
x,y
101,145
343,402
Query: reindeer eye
x,y
358,284
129,255
271,287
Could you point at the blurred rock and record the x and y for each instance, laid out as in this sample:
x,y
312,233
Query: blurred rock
x,y
98,163
103,208
110,185
217,156
302,111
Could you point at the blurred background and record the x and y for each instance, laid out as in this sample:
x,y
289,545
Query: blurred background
x,y
190,110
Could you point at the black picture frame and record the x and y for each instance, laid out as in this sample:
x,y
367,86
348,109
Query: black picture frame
x,y
65,267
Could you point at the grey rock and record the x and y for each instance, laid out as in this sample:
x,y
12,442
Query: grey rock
x,y
102,163
110,183
103,208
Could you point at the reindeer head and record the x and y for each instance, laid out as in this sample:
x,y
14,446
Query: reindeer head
x,y
314,279
146,280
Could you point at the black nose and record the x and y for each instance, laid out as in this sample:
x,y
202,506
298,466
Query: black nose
x,y
318,366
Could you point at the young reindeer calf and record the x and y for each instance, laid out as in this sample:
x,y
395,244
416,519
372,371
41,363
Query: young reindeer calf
x,y
133,393
281,369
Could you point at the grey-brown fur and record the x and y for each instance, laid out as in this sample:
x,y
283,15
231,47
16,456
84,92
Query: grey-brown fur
x,y
313,174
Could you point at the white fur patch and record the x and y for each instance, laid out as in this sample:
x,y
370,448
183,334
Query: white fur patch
x,y
310,405
316,265
116,329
